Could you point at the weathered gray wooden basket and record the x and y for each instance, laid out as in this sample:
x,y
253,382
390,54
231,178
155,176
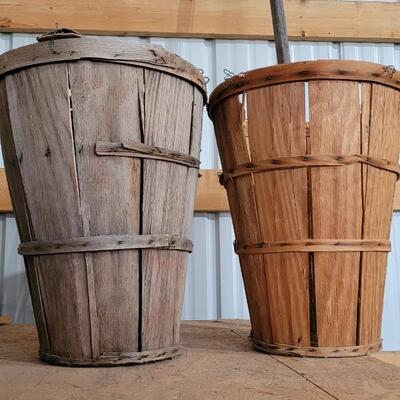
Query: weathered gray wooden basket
x,y
101,141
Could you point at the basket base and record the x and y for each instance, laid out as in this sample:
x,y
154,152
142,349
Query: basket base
x,y
113,359
312,351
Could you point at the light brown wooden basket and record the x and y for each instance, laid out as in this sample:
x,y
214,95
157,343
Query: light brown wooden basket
x,y
311,200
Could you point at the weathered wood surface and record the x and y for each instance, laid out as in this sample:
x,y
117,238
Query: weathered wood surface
x,y
217,363
280,31
307,20
34,120
140,150
166,184
210,195
105,243
112,50
339,214
112,298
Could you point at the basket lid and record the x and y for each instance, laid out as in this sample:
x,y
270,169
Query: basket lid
x,y
305,71
68,45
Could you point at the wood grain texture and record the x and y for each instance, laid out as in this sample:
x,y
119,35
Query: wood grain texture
x,y
113,50
330,298
281,200
336,208
232,138
164,184
210,195
304,70
311,20
109,195
91,300
218,362
383,112
53,212
105,243
315,246
280,31
25,233
140,150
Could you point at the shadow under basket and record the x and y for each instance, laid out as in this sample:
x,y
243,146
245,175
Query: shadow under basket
x,y
310,154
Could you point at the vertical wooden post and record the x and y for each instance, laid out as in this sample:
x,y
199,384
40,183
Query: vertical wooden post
x,y
280,32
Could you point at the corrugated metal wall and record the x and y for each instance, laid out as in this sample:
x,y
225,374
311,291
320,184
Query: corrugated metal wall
x,y
214,287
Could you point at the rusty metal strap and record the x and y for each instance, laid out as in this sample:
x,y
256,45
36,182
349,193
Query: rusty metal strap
x,y
106,243
313,245
330,160
141,150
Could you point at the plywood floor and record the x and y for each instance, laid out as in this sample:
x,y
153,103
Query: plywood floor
x,y
217,363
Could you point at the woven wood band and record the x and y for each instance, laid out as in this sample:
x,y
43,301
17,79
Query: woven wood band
x,y
115,358
313,246
106,243
330,160
141,150
323,352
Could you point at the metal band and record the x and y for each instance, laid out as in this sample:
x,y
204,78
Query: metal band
x,y
311,351
314,246
141,150
106,243
105,359
330,160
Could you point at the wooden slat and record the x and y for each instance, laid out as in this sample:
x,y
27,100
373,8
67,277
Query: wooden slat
x,y
164,188
306,20
34,120
384,106
232,137
281,199
25,232
336,208
210,196
112,184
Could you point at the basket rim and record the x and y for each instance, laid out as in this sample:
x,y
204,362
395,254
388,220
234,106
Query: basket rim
x,y
110,49
361,71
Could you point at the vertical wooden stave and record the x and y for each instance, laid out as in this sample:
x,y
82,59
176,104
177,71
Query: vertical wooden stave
x,y
105,107
337,208
281,196
383,123
230,122
167,123
34,120
22,212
